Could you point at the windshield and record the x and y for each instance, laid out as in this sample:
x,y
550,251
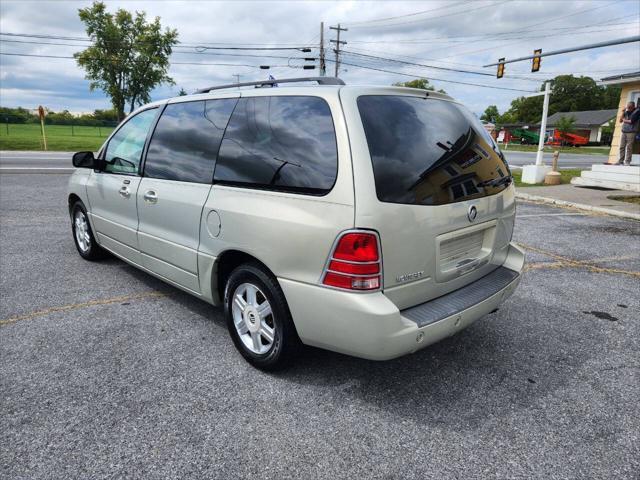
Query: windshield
x,y
429,152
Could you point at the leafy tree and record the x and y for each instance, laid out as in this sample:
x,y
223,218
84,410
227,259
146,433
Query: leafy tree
x,y
607,131
106,115
490,114
569,94
566,124
129,56
421,83
611,97
16,115
182,92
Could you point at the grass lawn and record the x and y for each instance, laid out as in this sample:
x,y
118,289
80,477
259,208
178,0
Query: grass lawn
x,y
635,199
59,137
514,147
565,177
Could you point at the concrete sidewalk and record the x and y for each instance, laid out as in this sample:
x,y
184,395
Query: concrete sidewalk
x,y
582,198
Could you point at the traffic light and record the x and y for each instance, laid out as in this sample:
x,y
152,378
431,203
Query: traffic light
x,y
500,72
535,63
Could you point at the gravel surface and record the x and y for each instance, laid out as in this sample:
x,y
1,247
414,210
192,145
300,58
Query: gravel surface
x,y
135,379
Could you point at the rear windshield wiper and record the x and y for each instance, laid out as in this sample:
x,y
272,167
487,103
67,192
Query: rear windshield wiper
x,y
497,182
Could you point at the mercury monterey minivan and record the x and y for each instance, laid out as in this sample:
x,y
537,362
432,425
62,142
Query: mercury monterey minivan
x,y
371,221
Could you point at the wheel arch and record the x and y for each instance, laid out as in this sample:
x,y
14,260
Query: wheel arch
x,y
225,263
73,198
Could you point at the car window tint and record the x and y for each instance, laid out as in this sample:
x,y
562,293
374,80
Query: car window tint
x,y
125,147
429,152
280,143
185,142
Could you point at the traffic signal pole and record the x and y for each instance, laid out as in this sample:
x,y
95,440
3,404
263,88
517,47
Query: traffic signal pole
x,y
536,173
543,122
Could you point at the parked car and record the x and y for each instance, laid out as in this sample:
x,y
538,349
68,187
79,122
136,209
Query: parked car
x,y
371,221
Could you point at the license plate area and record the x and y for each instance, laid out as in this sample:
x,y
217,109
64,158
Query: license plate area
x,y
463,251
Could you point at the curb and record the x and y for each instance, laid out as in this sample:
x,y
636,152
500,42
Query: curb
x,y
579,206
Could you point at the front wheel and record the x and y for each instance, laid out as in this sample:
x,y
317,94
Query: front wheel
x,y
258,318
82,234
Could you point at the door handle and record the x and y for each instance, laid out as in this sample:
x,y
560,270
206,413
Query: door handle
x,y
124,191
150,196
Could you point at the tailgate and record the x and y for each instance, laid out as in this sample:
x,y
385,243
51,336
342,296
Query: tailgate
x,y
434,184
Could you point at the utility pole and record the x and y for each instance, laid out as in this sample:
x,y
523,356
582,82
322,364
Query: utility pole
x,y
338,43
323,65
237,75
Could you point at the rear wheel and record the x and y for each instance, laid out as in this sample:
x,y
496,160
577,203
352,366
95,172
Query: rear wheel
x,y
258,318
82,234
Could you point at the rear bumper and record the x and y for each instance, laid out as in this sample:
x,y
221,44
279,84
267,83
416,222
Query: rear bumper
x,y
371,326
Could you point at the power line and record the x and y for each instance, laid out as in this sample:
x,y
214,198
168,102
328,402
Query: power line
x,y
484,74
172,63
436,17
180,43
495,35
377,20
433,78
447,69
555,19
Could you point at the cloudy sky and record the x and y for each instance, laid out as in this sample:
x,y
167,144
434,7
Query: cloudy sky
x,y
458,34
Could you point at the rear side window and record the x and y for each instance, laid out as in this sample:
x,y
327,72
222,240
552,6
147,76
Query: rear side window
x,y
280,143
429,152
186,140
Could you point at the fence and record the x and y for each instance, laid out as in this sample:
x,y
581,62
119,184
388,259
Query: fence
x,y
27,135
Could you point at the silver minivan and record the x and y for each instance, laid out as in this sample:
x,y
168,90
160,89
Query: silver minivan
x,y
371,221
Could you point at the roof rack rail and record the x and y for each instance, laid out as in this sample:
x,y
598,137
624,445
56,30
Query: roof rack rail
x,y
264,83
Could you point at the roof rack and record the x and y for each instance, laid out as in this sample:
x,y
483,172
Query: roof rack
x,y
271,83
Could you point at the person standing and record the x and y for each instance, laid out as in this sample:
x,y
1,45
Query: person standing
x,y
630,118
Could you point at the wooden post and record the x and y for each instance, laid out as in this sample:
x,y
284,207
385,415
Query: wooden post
x,y
554,162
553,177
41,115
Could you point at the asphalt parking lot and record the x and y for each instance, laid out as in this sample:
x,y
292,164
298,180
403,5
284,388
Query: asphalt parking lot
x,y
106,372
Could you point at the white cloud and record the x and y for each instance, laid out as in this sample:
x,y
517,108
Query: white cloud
x,y
465,34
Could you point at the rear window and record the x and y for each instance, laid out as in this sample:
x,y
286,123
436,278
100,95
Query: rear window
x,y
429,152
280,143
185,143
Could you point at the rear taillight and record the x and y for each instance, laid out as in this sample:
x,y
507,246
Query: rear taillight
x,y
355,262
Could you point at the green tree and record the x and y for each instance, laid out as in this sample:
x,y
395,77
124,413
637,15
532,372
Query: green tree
x,y
565,125
129,56
610,97
421,83
569,94
182,92
491,114
607,131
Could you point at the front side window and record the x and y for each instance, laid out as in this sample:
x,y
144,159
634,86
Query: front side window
x,y
185,142
429,152
125,147
280,143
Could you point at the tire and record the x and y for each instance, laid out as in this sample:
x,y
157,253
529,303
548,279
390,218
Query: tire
x,y
264,334
83,237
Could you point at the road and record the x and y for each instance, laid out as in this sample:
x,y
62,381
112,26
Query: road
x,y
106,372
62,160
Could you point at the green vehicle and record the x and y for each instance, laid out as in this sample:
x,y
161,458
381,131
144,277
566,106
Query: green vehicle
x,y
526,136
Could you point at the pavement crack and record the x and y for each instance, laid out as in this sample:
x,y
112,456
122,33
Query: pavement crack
x,y
564,262
75,306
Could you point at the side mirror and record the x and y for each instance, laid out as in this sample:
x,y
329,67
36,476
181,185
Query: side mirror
x,y
84,160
